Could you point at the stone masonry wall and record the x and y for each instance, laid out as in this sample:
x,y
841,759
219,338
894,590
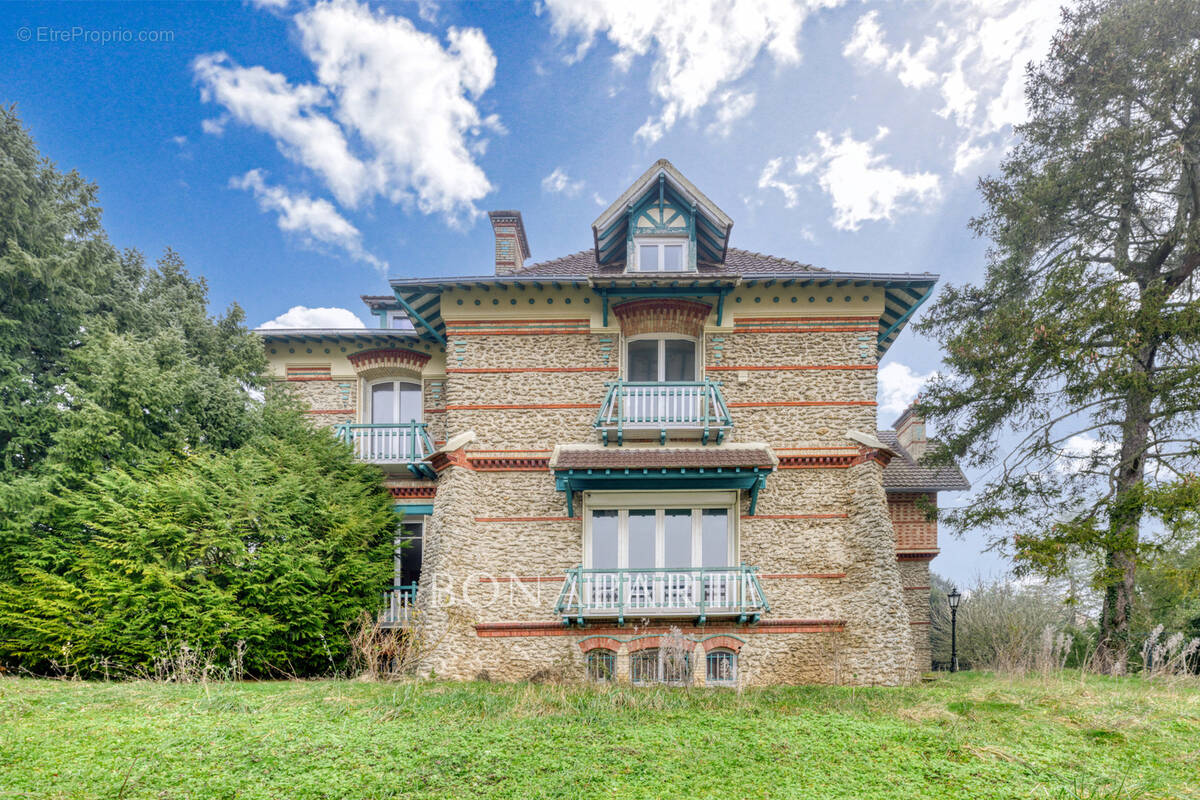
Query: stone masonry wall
x,y
915,577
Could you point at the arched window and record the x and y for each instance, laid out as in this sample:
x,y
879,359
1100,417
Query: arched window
x,y
601,665
654,665
721,667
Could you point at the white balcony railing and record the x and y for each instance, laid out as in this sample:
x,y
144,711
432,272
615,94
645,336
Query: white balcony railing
x,y
400,443
680,592
634,408
397,606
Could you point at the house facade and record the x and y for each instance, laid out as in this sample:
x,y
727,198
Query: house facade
x,y
656,460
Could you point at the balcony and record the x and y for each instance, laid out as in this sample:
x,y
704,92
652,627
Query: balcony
x,y
397,606
648,410
684,592
390,444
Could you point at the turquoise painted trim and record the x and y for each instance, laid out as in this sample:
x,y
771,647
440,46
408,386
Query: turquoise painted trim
x,y
414,510
883,337
413,314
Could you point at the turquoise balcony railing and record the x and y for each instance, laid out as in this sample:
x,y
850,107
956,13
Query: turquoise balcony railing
x,y
389,443
688,592
689,409
397,606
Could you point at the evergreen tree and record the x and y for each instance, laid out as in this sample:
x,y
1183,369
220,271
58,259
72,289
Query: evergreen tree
x,y
1083,342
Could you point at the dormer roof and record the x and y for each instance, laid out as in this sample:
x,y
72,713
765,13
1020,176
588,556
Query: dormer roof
x,y
662,200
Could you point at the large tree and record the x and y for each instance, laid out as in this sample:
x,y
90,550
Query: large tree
x,y
1073,370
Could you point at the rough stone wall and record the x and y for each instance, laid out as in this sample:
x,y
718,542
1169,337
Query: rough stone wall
x,y
915,577
878,639
330,402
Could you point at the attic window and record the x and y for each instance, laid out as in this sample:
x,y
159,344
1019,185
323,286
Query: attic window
x,y
662,255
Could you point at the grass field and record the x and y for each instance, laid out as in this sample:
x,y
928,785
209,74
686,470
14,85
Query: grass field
x,y
964,736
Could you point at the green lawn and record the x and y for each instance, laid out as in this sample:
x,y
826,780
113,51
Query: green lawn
x,y
965,736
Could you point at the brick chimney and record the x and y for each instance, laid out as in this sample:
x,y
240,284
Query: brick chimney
x,y
910,430
512,248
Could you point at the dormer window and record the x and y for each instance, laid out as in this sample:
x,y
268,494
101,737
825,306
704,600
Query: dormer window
x,y
662,255
399,321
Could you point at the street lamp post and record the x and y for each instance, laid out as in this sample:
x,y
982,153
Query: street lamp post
x,y
953,598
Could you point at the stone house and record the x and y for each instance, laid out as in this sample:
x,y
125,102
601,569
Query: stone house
x,y
653,460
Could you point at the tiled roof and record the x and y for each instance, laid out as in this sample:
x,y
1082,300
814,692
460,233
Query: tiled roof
x,y
737,262
905,474
592,457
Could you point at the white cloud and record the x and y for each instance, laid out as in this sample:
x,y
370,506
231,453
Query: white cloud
x,y
215,126
977,63
598,200
699,48
558,182
1077,452
731,106
861,186
314,220
305,317
274,5
392,113
898,386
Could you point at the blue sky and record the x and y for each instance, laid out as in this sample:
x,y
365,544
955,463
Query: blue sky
x,y
297,154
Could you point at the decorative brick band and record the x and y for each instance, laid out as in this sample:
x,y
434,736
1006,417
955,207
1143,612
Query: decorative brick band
x,y
761,368
329,411
644,643
508,370
509,463
806,575
427,492
909,556
840,515
727,642
662,315
805,324
599,643
784,403
880,457
520,407
384,361
522,579
817,462
772,626
529,519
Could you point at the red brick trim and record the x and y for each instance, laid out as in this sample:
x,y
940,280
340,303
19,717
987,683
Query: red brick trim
x,y
809,329
880,457
814,319
518,332
644,643
816,462
662,315
761,368
528,519
841,515
523,579
772,626
442,461
727,642
509,463
479,323
916,588
507,370
599,643
435,411
814,575
377,362
906,556
506,406
300,379
413,491
784,403
329,411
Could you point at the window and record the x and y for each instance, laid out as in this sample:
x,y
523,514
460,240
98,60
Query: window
x,y
655,665
659,538
601,665
662,255
660,358
721,667
409,541
395,401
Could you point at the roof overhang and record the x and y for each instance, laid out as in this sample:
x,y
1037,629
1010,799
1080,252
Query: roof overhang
x,y
370,336
903,293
